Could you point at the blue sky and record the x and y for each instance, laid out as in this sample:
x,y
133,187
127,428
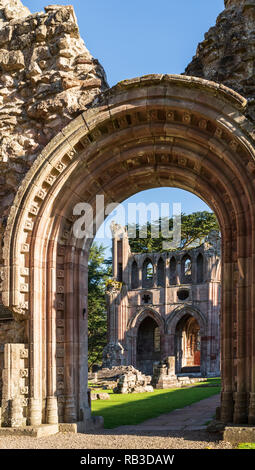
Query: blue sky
x,y
140,37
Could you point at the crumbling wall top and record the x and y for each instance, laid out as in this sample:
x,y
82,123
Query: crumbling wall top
x,y
11,9
47,78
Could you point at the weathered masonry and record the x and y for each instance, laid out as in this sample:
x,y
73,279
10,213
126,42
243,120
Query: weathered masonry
x,y
165,304
65,138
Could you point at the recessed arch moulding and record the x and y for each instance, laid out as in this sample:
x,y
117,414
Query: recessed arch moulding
x,y
147,132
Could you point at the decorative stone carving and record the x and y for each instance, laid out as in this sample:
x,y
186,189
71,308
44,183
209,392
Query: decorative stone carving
x,y
15,387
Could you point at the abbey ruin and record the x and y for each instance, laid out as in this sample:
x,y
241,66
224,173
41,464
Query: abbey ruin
x,y
66,137
165,305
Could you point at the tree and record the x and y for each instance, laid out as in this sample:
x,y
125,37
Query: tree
x,y
194,228
99,271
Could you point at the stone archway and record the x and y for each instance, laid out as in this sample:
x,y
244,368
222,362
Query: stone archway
x,y
187,345
134,327
147,345
146,132
176,325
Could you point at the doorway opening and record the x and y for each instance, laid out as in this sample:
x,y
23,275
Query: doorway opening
x,y
188,345
148,345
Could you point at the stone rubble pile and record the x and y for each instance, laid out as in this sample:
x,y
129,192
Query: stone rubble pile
x,y
164,376
133,381
99,396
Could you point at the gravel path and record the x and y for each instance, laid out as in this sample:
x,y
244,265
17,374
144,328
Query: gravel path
x,y
110,440
151,434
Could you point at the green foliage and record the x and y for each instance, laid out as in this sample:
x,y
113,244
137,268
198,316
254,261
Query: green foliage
x,y
99,271
134,408
194,227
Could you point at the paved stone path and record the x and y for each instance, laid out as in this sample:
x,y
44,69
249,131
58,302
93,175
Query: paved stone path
x,y
191,418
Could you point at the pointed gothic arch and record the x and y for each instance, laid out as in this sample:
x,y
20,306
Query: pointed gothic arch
x,y
146,132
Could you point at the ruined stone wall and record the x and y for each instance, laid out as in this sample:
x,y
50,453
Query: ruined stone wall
x,y
147,321
47,78
227,54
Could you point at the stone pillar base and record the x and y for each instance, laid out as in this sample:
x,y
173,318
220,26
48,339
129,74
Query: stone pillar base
x,y
70,414
251,416
90,425
240,408
239,434
226,408
52,410
31,431
35,412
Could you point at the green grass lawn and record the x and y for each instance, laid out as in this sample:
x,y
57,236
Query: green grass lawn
x,y
247,445
137,407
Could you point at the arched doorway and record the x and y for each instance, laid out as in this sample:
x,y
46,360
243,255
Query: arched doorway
x,y
187,345
148,345
146,132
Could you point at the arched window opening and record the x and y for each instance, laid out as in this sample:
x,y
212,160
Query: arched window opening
x,y
147,273
186,266
200,268
134,276
161,273
173,277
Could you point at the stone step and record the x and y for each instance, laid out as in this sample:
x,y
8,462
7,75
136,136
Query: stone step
x,y
32,431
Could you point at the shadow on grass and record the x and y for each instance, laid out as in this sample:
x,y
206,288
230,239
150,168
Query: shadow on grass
x,y
133,409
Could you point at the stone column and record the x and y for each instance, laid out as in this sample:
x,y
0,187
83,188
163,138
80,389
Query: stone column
x,y
114,258
240,409
251,418
194,269
140,273
37,339
178,272
155,274
82,340
125,256
227,349
69,409
51,402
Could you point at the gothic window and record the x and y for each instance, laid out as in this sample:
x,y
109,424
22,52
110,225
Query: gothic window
x,y
173,271
161,273
147,273
200,268
186,266
134,276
